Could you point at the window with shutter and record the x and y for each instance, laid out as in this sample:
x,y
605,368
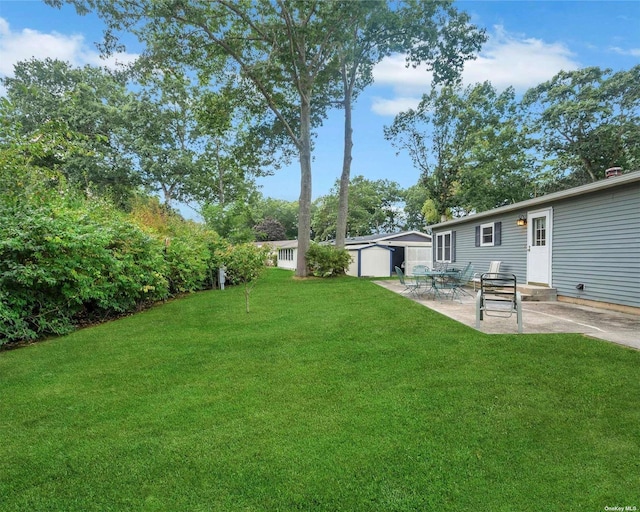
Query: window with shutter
x,y
486,234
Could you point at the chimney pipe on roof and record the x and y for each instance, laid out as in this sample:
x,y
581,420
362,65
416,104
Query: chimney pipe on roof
x,y
613,171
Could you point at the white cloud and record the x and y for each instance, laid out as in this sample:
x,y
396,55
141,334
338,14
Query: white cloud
x,y
392,71
633,52
506,60
390,107
512,60
25,44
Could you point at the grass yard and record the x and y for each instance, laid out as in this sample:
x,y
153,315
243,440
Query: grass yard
x,y
330,395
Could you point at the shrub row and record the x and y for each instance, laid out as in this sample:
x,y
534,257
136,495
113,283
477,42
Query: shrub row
x,y
68,261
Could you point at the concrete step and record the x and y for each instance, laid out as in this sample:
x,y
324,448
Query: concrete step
x,y
538,293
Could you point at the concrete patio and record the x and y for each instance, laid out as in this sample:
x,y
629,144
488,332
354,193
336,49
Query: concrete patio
x,y
538,317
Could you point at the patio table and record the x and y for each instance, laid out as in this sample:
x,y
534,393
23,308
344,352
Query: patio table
x,y
432,277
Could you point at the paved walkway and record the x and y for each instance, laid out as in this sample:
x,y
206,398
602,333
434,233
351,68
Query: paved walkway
x,y
540,317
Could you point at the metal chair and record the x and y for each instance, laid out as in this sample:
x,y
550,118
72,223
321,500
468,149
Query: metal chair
x,y
498,296
463,279
419,269
409,287
440,266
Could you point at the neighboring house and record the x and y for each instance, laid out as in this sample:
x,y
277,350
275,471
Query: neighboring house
x,y
286,252
377,255
584,242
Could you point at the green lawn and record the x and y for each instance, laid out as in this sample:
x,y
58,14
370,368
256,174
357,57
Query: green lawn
x,y
330,395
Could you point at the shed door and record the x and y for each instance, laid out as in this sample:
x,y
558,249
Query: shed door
x,y
416,256
539,226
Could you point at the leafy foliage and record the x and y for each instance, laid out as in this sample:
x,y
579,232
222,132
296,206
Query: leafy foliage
x,y
64,261
426,31
587,120
90,102
471,147
327,260
244,264
269,229
374,208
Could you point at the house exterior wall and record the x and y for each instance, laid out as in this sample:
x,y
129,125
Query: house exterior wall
x,y
595,242
287,257
512,251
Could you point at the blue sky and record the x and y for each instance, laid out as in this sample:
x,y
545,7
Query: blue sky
x,y
529,42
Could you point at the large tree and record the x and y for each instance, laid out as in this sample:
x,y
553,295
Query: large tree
x,y
470,146
587,120
426,31
164,133
432,136
191,144
283,51
90,102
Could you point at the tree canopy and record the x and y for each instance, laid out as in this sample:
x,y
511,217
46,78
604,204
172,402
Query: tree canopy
x,y
90,102
375,208
429,32
586,120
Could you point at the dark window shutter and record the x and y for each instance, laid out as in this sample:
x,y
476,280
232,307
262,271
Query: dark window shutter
x,y
477,236
497,233
453,246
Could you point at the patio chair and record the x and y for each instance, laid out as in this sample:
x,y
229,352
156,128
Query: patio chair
x,y
419,269
498,296
440,266
494,268
411,287
462,280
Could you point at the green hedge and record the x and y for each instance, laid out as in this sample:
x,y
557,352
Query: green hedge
x,y
327,260
69,261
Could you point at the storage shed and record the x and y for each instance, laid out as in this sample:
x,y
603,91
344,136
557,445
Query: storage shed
x,y
377,255
370,260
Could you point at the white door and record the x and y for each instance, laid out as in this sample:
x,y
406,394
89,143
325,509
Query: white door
x,y
416,256
539,247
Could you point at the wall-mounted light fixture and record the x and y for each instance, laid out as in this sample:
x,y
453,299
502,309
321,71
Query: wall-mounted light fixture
x,y
522,221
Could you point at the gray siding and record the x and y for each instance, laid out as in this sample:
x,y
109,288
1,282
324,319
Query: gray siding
x,y
596,242
512,252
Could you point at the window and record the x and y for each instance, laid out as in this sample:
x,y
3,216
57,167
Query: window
x,y
285,254
540,231
486,234
443,247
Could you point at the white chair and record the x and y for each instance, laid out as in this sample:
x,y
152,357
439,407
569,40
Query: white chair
x,y
494,268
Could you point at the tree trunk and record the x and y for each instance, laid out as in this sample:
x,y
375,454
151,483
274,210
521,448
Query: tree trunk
x,y
343,198
304,205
